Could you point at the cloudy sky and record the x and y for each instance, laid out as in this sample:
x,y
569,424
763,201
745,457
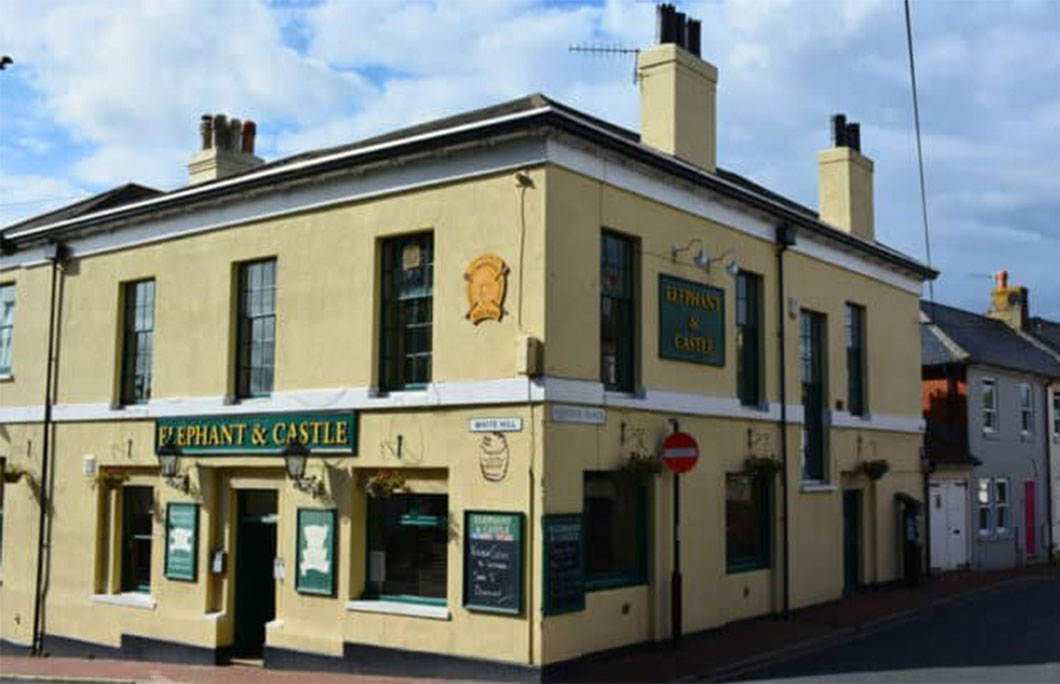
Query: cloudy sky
x,y
106,92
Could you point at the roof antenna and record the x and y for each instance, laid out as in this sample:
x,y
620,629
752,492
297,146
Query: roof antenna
x,y
607,50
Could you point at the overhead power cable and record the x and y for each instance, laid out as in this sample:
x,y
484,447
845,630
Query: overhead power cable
x,y
919,148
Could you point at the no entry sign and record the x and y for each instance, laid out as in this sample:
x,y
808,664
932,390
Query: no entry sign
x,y
680,452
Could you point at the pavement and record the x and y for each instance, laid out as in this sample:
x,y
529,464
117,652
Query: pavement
x,y
727,653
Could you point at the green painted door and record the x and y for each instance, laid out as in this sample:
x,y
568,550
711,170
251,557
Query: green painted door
x,y
851,539
255,586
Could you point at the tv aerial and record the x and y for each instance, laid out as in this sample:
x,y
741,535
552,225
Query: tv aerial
x,y
607,50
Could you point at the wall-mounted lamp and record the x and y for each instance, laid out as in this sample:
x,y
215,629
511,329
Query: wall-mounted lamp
x,y
169,455
704,260
295,456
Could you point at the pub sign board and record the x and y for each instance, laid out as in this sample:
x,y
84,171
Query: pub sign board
x,y
564,563
315,552
182,541
691,321
493,562
328,432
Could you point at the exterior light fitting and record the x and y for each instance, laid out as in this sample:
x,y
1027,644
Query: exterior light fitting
x,y
704,260
295,456
169,455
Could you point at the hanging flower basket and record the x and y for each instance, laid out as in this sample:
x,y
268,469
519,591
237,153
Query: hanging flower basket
x,y
642,466
384,483
761,466
874,470
111,478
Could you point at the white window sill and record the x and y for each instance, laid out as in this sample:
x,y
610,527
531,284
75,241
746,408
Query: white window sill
x,y
129,599
813,487
6,377
398,608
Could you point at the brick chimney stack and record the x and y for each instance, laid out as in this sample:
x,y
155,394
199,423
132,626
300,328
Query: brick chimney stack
x,y
1008,304
227,149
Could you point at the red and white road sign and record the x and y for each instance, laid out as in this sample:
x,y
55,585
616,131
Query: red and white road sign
x,y
680,452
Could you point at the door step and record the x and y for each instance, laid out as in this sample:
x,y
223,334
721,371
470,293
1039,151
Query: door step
x,y
248,662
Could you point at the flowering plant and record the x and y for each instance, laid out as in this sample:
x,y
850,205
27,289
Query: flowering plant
x,y
874,470
641,466
761,466
384,483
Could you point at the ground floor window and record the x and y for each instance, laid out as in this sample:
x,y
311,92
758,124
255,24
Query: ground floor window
x,y
408,542
993,505
746,522
137,504
616,530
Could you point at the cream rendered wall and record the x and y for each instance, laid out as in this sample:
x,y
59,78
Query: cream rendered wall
x,y
577,209
26,384
326,302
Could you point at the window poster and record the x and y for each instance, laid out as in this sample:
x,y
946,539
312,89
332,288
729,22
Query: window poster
x,y
315,552
182,541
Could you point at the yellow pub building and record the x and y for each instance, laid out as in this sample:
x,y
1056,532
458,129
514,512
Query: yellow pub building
x,y
397,406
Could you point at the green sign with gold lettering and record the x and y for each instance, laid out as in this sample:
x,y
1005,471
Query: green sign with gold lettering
x,y
334,431
691,321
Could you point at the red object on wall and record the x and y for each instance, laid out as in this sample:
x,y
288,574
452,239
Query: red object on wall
x,y
680,452
1028,518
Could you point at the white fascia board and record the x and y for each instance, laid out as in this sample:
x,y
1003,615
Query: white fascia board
x,y
472,163
280,170
708,205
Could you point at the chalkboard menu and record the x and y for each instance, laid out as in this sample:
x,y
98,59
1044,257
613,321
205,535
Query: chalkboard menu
x,y
182,541
315,557
564,590
493,561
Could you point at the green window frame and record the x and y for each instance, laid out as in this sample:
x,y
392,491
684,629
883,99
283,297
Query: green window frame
x,y
855,344
812,354
616,530
406,330
137,341
7,327
748,530
618,311
137,511
412,533
749,338
256,329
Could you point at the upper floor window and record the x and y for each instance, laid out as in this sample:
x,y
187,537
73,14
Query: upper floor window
x,y
1026,409
7,326
618,306
855,333
812,336
749,338
137,341
256,330
989,405
405,350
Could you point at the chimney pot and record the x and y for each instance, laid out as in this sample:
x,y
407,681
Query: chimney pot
x,y
220,131
1001,277
250,130
206,131
839,130
854,136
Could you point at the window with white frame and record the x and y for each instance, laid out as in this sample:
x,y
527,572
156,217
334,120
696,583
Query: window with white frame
x,y
7,326
989,405
1026,409
985,512
1001,509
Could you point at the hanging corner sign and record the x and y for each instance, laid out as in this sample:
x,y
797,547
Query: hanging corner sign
x,y
680,452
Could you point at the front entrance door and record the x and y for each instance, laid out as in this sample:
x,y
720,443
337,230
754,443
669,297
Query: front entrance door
x,y
1029,518
255,587
851,539
949,512
957,523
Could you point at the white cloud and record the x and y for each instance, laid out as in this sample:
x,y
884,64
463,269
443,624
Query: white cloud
x,y
25,195
128,79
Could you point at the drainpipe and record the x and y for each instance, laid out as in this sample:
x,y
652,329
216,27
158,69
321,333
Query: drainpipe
x,y
56,254
785,239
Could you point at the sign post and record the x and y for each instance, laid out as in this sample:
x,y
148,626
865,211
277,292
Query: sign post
x,y
680,453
